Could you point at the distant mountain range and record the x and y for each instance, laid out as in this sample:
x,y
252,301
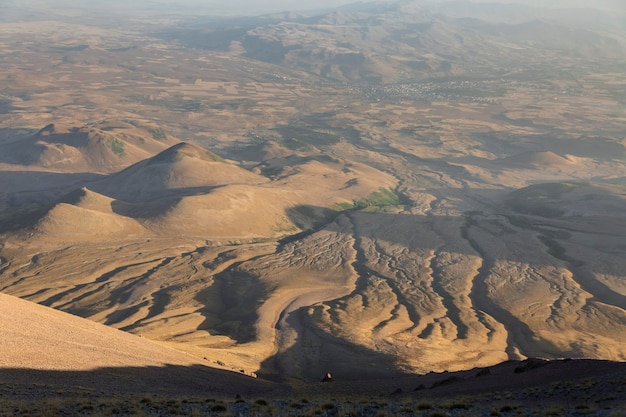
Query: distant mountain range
x,y
387,41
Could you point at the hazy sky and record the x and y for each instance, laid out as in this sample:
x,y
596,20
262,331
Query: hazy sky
x,y
265,6
312,4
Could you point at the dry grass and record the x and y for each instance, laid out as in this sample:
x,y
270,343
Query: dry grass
x,y
181,406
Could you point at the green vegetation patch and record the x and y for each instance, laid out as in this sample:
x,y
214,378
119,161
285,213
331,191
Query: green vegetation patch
x,y
117,146
213,156
302,136
376,201
158,133
383,197
295,144
174,103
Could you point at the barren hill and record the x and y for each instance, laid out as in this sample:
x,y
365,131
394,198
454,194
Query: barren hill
x,y
104,148
382,43
537,159
183,168
84,214
187,190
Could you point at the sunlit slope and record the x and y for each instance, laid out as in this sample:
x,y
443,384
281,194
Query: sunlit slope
x,y
400,291
184,168
39,170
187,190
85,215
38,337
456,292
42,347
166,267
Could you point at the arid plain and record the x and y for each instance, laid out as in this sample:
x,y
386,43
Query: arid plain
x,y
376,191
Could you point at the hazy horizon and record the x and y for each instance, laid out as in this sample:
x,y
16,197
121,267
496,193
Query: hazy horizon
x,y
249,7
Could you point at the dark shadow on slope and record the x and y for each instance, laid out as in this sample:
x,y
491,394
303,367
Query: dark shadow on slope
x,y
22,152
572,382
169,380
231,304
316,352
8,135
560,379
27,150
144,210
25,182
566,380
156,203
27,195
150,193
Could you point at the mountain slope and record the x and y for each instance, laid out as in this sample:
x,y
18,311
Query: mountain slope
x,y
38,337
387,42
85,214
180,169
104,148
61,354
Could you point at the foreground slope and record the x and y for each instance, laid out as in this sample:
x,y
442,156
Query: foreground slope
x,y
37,337
70,353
